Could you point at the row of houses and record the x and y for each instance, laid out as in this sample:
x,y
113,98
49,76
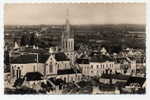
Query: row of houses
x,y
53,63
101,64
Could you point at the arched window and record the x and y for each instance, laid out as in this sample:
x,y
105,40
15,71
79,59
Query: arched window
x,y
18,72
50,67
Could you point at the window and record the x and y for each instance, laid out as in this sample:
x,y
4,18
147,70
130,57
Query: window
x,y
101,66
50,67
91,66
34,68
18,72
97,66
58,66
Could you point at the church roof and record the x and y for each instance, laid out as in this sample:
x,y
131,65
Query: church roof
x,y
31,50
61,57
29,58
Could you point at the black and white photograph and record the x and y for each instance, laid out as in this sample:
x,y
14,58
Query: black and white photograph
x,y
74,48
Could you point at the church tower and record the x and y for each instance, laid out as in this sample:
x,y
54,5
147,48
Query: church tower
x,y
67,40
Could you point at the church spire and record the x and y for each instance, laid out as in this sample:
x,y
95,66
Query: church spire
x,y
67,24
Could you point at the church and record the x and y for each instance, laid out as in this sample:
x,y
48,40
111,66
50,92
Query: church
x,y
53,64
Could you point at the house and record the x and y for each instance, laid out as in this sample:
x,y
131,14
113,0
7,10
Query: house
x,y
100,64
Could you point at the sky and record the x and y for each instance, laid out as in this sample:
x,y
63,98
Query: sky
x,y
96,13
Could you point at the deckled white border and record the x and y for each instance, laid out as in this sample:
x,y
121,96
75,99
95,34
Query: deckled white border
x,y
74,97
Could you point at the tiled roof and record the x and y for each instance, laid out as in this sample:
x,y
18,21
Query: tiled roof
x,y
67,71
29,58
61,57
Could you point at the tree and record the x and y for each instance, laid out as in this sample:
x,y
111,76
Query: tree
x,y
24,40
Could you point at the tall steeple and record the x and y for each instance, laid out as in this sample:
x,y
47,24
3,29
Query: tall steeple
x,y
67,41
67,28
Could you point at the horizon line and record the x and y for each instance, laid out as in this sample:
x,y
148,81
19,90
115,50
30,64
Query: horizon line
x,y
70,24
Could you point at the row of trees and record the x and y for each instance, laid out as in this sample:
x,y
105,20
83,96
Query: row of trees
x,y
29,39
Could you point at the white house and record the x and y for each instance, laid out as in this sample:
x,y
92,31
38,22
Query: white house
x,y
100,64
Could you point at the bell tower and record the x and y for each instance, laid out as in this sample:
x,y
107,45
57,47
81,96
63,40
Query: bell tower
x,y
68,41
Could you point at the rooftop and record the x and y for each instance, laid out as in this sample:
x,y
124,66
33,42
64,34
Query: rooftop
x,y
29,58
61,57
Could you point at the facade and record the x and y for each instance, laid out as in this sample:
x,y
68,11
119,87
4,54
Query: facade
x,y
97,65
57,61
27,63
99,68
59,66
